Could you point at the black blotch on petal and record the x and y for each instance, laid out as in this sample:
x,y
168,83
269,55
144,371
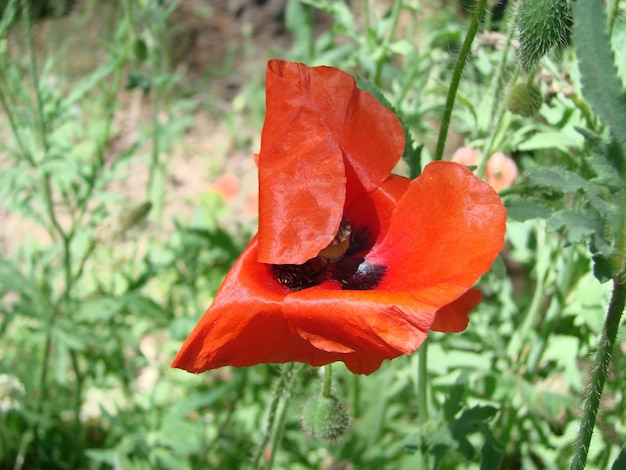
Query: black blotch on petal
x,y
366,276
296,276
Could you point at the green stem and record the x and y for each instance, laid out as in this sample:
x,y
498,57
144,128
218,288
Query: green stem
x,y
356,397
422,392
8,110
283,390
328,381
531,319
395,15
456,77
598,376
279,427
43,132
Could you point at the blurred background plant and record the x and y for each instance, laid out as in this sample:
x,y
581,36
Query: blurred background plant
x,y
127,189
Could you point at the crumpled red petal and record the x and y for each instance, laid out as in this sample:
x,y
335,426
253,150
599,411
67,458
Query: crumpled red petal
x,y
446,232
324,143
245,326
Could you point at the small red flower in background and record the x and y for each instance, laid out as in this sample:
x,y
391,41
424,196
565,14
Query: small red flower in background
x,y
501,170
226,186
350,263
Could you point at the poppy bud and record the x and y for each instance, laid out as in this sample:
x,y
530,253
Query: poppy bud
x,y
325,417
140,49
524,100
542,24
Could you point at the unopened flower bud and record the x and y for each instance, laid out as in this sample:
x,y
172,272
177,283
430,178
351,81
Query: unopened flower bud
x,y
325,418
524,100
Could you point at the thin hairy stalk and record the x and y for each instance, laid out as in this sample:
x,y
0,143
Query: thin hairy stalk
x,y
456,77
274,418
599,371
279,428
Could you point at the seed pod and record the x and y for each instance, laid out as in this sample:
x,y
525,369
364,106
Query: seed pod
x,y
542,24
325,418
524,100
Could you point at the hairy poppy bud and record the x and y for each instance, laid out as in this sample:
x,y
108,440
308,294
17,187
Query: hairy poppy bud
x,y
542,24
325,418
524,100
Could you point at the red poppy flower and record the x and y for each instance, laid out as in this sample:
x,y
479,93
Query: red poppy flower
x,y
350,263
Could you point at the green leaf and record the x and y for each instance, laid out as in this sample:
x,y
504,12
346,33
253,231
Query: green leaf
x,y
563,139
492,453
8,14
602,87
620,462
454,402
402,47
577,225
549,404
521,209
299,26
555,178
89,82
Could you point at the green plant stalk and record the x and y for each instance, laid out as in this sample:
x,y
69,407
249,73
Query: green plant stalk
x,y
456,77
56,230
422,392
356,396
43,132
328,381
271,418
598,376
562,286
14,129
534,310
279,428
395,15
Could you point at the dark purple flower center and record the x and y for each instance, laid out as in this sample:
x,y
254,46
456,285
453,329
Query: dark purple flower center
x,y
351,271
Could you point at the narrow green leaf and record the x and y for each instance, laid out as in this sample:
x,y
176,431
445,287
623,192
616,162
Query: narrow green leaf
x,y
87,83
8,14
602,87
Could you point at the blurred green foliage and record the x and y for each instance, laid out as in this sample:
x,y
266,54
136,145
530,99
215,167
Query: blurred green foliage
x,y
101,289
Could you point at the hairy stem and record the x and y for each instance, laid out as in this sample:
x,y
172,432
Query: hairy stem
x,y
599,372
456,77
276,416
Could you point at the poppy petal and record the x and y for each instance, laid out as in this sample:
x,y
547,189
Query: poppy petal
x,y
319,135
454,317
245,326
445,233
371,213
371,323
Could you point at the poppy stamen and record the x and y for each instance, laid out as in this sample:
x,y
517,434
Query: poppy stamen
x,y
340,244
